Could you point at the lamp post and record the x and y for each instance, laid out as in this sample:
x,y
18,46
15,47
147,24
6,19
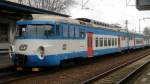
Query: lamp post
x,y
126,25
139,25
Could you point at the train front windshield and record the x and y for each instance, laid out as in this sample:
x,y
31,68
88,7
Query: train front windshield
x,y
34,31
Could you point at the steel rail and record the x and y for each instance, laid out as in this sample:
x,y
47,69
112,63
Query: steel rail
x,y
91,80
135,72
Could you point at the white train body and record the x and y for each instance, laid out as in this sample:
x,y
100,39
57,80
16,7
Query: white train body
x,y
50,40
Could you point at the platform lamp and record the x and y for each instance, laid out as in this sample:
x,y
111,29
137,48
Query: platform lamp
x,y
140,25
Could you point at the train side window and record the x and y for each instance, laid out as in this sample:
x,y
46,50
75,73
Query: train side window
x,y
82,33
113,41
101,42
96,42
123,38
105,41
130,38
71,31
57,30
65,31
77,32
109,41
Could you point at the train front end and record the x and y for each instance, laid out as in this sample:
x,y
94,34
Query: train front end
x,y
32,44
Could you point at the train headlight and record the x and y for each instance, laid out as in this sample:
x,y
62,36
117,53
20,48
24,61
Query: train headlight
x,y
11,51
11,48
41,51
23,47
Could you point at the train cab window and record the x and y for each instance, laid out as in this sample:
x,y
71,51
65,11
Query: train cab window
x,y
96,42
65,31
109,41
105,41
101,42
46,30
32,30
113,41
77,32
71,31
21,29
36,31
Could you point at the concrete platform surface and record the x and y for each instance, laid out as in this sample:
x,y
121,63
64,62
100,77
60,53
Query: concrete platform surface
x,y
145,77
5,61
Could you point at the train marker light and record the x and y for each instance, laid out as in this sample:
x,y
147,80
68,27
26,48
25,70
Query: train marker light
x,y
35,69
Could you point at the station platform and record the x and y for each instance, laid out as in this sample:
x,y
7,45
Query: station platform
x,y
144,78
5,61
4,48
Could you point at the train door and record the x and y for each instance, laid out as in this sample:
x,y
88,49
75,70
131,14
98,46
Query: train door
x,y
119,43
134,41
128,45
89,44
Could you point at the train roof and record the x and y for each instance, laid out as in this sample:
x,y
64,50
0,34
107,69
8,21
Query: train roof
x,y
98,22
79,21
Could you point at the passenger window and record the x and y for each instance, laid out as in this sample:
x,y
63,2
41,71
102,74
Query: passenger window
x,y
113,41
101,42
71,31
105,41
96,42
82,33
109,41
65,31
57,30
77,32
116,41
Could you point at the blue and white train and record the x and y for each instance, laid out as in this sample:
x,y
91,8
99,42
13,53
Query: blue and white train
x,y
48,40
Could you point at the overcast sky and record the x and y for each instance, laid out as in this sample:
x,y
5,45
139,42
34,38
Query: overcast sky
x,y
112,11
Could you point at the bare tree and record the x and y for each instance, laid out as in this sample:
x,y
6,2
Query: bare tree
x,y
61,6
84,3
146,31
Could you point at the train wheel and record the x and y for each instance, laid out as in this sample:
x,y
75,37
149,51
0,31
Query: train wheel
x,y
66,64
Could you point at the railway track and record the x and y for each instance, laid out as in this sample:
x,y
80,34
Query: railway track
x,y
9,74
133,74
80,73
5,73
97,77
